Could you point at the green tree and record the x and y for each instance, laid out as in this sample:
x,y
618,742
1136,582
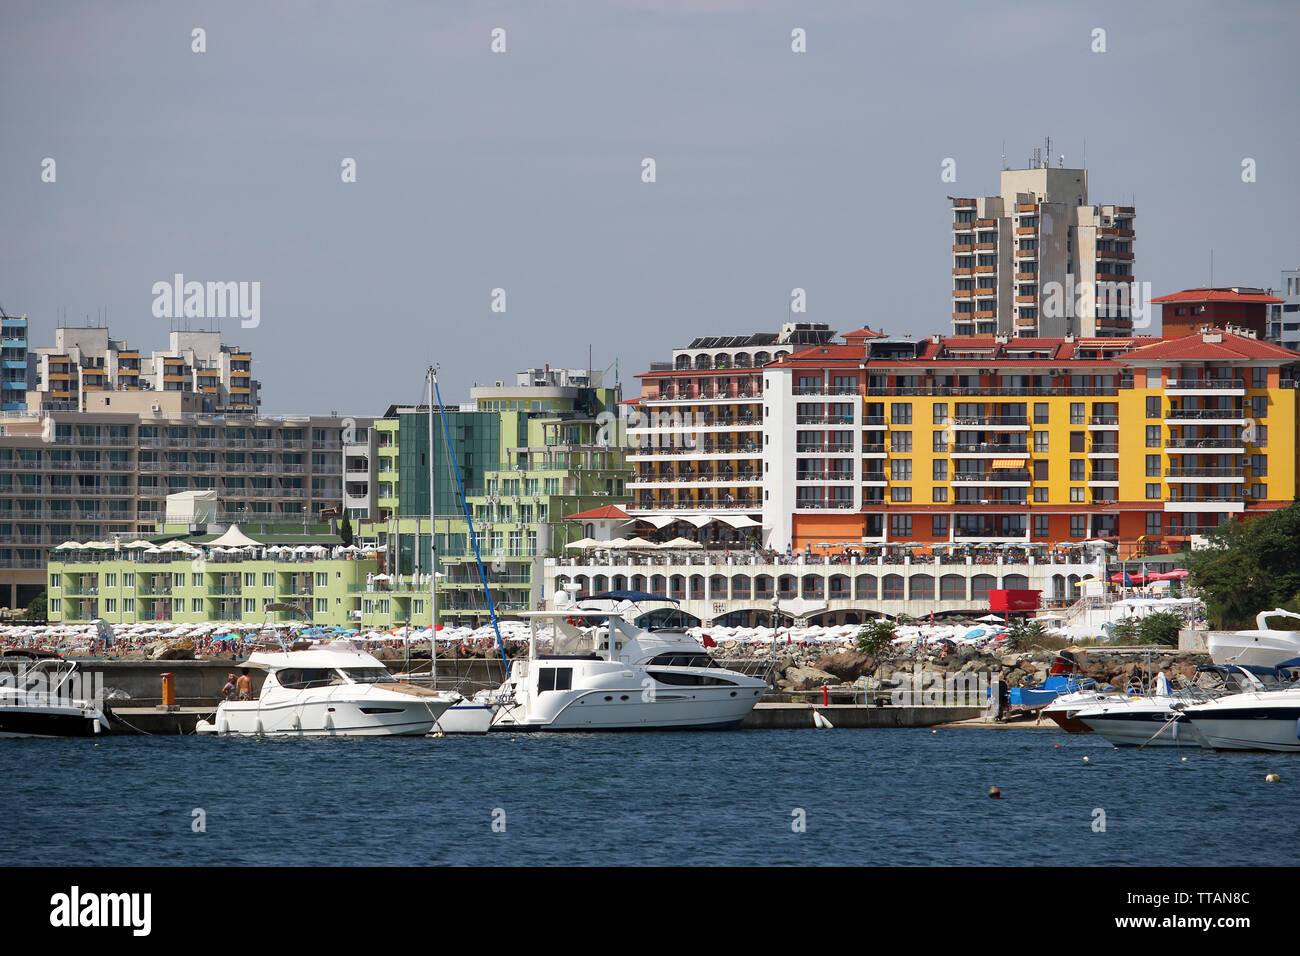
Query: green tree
x,y
37,609
1022,634
1249,566
1160,627
345,532
875,636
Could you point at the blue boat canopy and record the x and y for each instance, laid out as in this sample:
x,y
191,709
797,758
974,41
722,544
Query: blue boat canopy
x,y
629,596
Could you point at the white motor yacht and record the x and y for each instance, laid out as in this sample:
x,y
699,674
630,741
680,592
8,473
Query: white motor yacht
x,y
593,669
1261,647
1259,719
329,689
40,699
1161,718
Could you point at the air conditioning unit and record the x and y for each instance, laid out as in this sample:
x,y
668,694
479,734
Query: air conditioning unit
x,y
155,408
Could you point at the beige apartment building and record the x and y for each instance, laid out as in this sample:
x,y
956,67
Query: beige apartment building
x,y
1022,259
83,361
106,472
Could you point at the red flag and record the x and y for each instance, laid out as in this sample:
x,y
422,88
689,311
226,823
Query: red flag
x,y
709,642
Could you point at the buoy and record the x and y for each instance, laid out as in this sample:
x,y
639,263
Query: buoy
x,y
1085,759
1056,746
934,731
1184,760
995,793
1270,777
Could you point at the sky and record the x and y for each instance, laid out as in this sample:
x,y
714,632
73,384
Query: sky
x,y
522,170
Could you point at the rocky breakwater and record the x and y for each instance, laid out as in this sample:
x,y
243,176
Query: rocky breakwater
x,y
809,671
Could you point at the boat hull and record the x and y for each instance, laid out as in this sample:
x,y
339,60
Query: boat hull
x,y
1254,648
23,721
624,709
1138,728
1260,728
368,717
465,718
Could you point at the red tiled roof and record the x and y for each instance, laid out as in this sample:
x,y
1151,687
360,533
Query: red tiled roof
x,y
1215,295
608,511
1194,347
866,332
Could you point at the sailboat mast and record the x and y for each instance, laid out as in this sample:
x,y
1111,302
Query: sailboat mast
x,y
433,552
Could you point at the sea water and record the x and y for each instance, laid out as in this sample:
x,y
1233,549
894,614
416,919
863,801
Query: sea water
x,y
792,797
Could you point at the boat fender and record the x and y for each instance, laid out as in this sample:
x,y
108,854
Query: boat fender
x,y
297,722
1271,777
257,728
573,621
995,793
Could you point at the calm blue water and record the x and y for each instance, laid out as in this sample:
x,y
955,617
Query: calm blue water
x,y
870,797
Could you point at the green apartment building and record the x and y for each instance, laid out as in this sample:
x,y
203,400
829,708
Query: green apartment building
x,y
529,454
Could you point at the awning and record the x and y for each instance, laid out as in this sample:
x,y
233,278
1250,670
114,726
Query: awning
x,y
1016,463
698,520
659,521
739,521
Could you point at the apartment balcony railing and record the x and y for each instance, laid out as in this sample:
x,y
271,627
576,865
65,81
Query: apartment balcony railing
x,y
814,448
990,420
984,447
827,420
1206,414
1223,498
823,505
826,390
824,476
995,390
1103,420
1216,472
1205,443
991,476
1206,383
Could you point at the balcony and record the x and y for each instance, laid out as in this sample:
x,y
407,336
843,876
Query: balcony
x,y
1001,478
1103,423
991,422
1205,386
1206,446
983,449
1225,416
1206,503
833,476
1176,474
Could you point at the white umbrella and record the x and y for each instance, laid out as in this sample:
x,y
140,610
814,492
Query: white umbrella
x,y
991,618
583,543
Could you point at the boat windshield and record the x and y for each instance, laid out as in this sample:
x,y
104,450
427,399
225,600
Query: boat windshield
x,y
367,675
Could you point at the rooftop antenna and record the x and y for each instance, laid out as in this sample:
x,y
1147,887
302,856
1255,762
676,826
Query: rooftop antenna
x,y
1047,155
1004,154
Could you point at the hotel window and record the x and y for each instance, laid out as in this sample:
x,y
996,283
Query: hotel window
x,y
1258,466
901,441
196,580
1077,441
1078,526
1153,492
1076,413
1040,413
1040,470
110,580
1259,377
1153,522
1153,466
1261,436
322,605
1153,436
900,469
940,442
939,526
268,579
1042,526
1259,492
250,579
1077,469
900,413
940,470
939,494
940,412
1076,496
250,605
178,580
1153,406
1040,495
1040,442
900,526
110,605
128,605
196,605
903,493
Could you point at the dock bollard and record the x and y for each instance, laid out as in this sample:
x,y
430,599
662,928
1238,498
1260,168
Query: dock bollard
x,y
168,691
826,696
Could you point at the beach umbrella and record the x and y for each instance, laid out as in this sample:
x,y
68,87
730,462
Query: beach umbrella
x,y
583,543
